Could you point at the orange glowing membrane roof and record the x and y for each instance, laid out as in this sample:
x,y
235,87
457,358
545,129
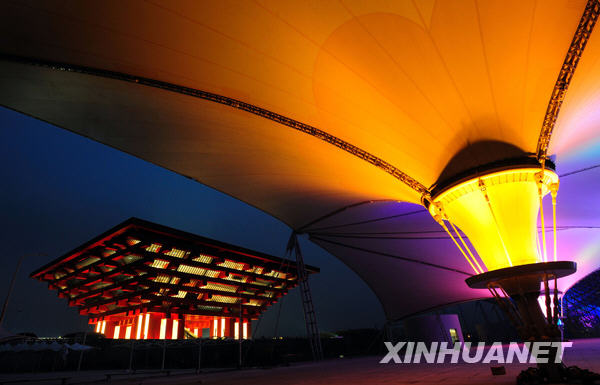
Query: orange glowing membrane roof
x,y
410,82
140,266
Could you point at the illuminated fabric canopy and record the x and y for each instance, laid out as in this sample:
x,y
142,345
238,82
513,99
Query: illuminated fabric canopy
x,y
498,212
309,110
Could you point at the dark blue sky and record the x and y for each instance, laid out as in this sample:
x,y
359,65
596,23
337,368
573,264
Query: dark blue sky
x,y
60,189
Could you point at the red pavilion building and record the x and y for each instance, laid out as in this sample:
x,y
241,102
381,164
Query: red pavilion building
x,y
141,280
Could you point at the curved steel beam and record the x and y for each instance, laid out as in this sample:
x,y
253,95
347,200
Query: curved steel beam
x,y
580,39
262,112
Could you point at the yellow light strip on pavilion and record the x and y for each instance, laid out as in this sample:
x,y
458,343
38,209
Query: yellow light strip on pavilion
x,y
146,325
163,329
128,332
174,329
138,333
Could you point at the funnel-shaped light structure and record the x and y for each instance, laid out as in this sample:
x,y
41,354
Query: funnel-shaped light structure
x,y
498,212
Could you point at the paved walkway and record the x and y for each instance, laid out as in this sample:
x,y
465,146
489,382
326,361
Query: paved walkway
x,y
348,371
368,370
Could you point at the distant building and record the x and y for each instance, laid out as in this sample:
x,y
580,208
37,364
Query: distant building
x,y
141,280
581,308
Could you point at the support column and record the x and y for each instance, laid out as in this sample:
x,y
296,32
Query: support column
x,y
181,328
154,326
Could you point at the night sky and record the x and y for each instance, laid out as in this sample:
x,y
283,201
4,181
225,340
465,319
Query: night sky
x,y
60,190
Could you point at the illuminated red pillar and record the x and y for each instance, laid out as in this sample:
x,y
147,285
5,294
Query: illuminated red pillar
x,y
109,329
181,328
246,328
214,327
220,327
154,325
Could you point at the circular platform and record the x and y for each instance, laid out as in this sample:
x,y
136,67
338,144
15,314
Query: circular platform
x,y
559,269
